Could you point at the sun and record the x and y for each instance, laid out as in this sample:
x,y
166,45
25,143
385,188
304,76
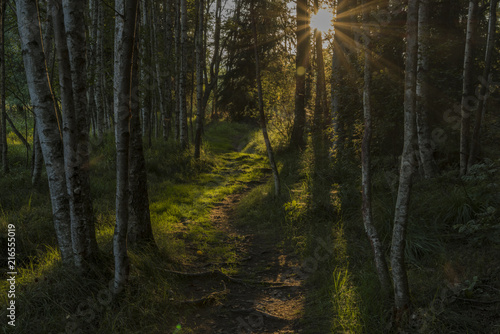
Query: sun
x,y
322,20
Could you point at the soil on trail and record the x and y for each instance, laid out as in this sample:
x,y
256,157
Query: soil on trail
x,y
266,296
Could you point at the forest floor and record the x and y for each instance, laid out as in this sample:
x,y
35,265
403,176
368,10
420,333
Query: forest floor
x,y
266,296
263,292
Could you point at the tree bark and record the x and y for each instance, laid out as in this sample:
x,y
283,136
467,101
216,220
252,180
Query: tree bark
x,y
140,233
183,128
425,145
37,164
125,34
484,89
399,274
467,108
370,229
46,121
262,115
302,60
200,115
75,131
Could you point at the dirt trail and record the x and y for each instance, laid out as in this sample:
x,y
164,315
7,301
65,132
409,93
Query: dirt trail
x,y
266,297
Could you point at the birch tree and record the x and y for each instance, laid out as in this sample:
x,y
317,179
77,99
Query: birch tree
x,y
183,135
139,230
399,274
199,79
302,59
422,107
366,183
125,34
484,89
466,107
71,59
48,126
262,115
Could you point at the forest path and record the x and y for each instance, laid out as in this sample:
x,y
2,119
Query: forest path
x,y
257,290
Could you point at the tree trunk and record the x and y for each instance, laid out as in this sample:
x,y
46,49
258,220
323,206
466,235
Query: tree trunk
x,y
37,163
425,146
125,29
5,161
146,75
46,121
170,59
467,109
75,130
99,87
399,274
371,231
262,115
484,90
320,106
302,60
200,115
183,135
139,228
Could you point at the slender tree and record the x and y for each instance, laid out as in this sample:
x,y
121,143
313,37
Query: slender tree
x,y
399,274
75,126
321,114
422,107
140,232
262,115
484,90
199,79
125,34
183,135
371,231
48,125
302,60
467,108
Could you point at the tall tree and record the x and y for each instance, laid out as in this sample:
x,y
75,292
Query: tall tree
x,y
484,90
139,230
183,128
422,106
48,126
321,114
200,57
125,34
302,60
75,126
399,274
371,231
467,108
262,115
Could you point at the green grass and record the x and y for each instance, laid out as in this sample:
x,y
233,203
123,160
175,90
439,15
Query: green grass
x,y
452,237
182,192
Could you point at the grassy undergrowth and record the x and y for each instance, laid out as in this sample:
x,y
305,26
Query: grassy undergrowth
x,y
52,299
452,240
451,251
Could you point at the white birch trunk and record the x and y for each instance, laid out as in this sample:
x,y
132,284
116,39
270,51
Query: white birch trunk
x,y
467,109
399,274
263,122
48,126
125,27
370,229
484,90
425,146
